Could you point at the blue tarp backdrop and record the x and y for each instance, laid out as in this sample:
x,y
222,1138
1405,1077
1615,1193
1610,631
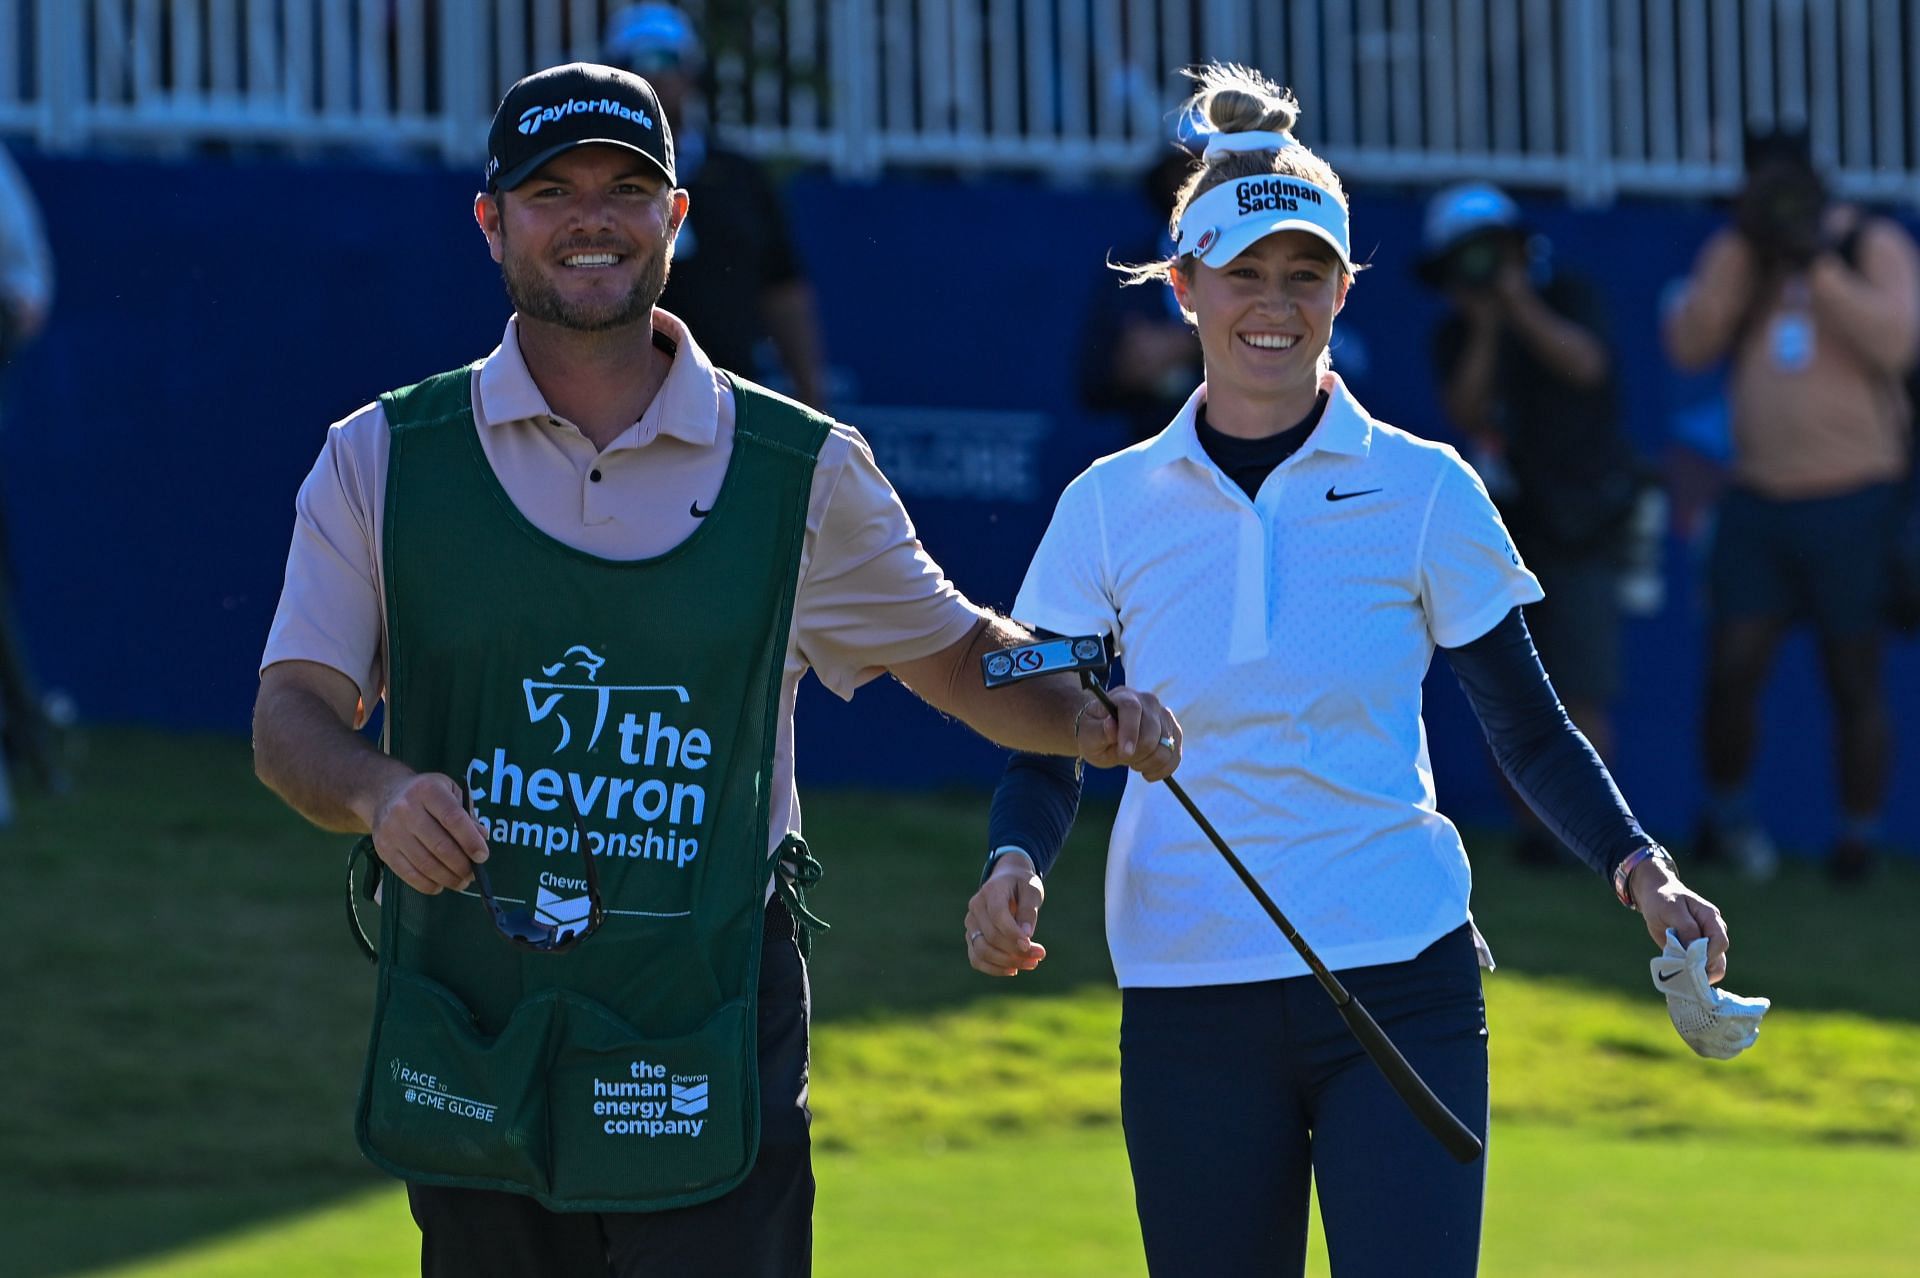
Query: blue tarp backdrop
x,y
213,318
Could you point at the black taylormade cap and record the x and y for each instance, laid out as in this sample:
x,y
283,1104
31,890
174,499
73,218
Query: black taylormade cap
x,y
567,106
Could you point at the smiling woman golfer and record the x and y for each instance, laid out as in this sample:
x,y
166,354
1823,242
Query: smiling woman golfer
x,y
1279,567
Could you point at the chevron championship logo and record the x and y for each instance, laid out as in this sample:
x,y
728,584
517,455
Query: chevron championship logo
x,y
638,761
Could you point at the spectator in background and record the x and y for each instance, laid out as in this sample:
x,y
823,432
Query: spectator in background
x,y
736,277
26,265
1699,438
26,295
1526,374
1816,308
1138,355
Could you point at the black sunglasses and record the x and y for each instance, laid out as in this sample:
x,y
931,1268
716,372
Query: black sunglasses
x,y
524,925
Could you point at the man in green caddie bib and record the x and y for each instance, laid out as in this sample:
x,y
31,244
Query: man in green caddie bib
x,y
586,575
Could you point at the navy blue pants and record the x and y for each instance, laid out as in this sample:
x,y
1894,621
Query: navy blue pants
x,y
1827,560
1238,1098
763,1229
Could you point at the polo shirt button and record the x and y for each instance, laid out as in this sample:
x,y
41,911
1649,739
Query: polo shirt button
x,y
594,475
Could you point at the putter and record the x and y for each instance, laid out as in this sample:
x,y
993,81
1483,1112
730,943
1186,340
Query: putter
x,y
1086,655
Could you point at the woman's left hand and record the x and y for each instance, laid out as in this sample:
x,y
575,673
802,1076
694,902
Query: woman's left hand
x,y
1144,735
1665,902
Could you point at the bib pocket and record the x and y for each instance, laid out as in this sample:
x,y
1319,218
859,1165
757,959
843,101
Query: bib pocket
x,y
664,1121
442,1099
569,1102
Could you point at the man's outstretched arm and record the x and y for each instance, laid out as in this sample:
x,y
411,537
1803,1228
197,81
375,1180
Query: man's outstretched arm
x,y
1052,714
306,751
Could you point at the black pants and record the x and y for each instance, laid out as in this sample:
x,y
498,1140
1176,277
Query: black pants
x,y
1236,1098
763,1229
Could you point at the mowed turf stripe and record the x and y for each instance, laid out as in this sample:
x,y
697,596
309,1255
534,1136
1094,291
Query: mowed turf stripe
x,y
1562,1054
1562,1205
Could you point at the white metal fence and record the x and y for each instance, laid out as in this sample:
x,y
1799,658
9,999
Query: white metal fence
x,y
1590,96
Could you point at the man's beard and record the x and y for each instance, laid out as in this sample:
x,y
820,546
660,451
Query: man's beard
x,y
535,297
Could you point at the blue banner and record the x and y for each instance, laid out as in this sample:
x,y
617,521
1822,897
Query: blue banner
x,y
206,333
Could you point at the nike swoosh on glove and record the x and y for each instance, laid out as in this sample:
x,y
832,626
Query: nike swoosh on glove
x,y
1713,1022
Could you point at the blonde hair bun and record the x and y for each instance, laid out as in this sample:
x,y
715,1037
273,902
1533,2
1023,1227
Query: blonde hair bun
x,y
1237,99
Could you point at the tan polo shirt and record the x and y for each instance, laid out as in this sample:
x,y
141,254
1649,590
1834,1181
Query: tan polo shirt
x,y
1831,426
869,595
1813,413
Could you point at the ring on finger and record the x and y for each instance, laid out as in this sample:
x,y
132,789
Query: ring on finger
x,y
1167,741
974,936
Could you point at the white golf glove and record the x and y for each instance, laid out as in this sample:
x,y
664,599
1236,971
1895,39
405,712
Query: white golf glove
x,y
1713,1022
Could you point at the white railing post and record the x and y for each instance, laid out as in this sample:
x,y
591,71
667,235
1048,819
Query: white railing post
x,y
463,70
1225,27
1585,43
11,63
1591,96
60,29
854,104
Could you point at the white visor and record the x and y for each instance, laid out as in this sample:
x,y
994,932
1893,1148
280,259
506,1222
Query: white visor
x,y
1232,217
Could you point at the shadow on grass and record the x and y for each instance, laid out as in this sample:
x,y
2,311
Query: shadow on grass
x,y
51,1232
195,1015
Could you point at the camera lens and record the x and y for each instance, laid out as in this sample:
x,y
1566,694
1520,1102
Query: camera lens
x,y
1474,263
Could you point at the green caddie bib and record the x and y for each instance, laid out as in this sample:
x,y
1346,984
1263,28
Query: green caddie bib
x,y
625,709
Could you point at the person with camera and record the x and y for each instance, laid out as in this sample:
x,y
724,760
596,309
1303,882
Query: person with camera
x,y
1815,307
1526,375
29,736
738,276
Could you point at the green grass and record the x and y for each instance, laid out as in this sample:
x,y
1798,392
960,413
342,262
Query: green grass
x,y
1561,1055
1560,1205
191,1017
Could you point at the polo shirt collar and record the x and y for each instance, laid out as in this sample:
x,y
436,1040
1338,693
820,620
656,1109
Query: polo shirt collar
x,y
1345,428
687,405
1180,439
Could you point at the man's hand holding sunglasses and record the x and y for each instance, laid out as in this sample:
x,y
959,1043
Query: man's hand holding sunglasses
x,y
424,833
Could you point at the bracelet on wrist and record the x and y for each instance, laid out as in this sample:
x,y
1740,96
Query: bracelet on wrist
x,y
993,859
1631,862
1078,715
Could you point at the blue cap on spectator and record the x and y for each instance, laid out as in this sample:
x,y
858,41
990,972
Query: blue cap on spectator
x,y
1458,214
650,38
1464,210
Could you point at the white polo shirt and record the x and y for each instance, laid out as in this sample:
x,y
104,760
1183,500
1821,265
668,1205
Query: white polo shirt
x,y
1290,635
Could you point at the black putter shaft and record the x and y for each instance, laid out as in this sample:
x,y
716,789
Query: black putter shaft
x,y
1428,1108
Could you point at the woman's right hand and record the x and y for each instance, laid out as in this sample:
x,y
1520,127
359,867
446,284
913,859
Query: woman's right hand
x,y
1666,903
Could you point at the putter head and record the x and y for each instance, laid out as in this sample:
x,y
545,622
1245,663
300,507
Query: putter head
x,y
1086,654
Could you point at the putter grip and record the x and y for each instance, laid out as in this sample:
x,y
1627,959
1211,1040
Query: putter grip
x,y
1434,1116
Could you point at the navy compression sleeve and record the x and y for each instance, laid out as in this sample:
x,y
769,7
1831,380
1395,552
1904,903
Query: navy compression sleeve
x,y
1034,806
1548,760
